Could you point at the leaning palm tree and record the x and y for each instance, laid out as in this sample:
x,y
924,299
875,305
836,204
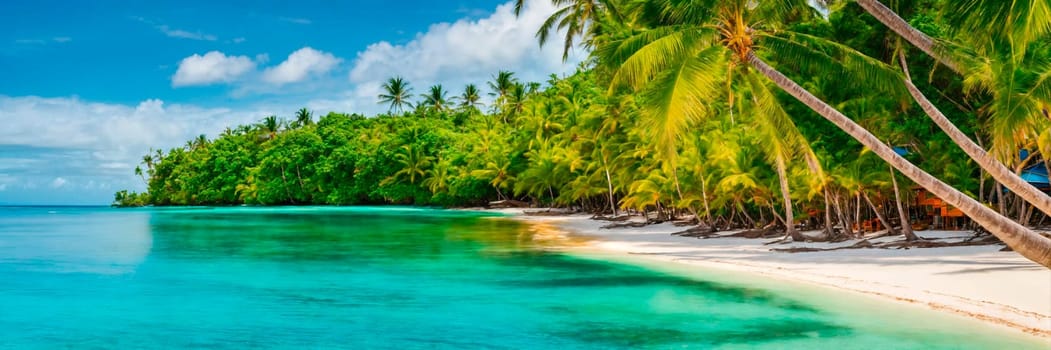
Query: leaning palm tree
x,y
138,171
148,159
396,94
1014,117
783,143
671,58
436,98
572,18
1015,107
1016,22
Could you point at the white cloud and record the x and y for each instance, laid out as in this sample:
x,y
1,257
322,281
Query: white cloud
x,y
80,141
179,33
296,20
57,39
71,123
466,51
213,67
299,65
472,12
238,40
176,33
186,35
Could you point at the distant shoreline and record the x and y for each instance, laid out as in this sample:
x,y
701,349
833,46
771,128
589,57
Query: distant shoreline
x,y
998,288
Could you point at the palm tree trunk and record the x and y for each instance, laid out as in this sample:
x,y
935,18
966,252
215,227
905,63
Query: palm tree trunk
x,y
678,190
1001,202
828,214
704,197
906,226
762,216
914,36
551,193
733,215
996,169
786,195
299,175
844,217
609,184
1020,239
981,185
744,212
879,214
777,218
284,183
857,214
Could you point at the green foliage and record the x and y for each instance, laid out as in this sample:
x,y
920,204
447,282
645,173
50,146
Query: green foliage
x,y
123,198
665,116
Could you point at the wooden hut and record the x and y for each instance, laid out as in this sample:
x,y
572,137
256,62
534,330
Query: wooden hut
x,y
933,212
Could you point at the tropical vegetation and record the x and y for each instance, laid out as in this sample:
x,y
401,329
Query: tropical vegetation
x,y
730,113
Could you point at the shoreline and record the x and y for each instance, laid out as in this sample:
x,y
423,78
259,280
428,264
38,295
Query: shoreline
x,y
1000,289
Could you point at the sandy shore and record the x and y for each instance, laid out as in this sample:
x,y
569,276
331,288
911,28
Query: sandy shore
x,y
977,281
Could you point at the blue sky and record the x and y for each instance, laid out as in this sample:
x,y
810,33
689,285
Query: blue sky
x,y
88,87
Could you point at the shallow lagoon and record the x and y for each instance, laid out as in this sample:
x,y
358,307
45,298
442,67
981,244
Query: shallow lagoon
x,y
399,278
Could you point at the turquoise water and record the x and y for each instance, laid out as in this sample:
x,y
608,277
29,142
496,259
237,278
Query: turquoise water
x,y
397,278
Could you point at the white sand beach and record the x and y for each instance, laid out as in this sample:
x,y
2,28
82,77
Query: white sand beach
x,y
980,282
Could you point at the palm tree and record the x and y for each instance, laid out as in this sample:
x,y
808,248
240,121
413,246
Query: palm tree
x,y
571,17
200,142
414,164
783,142
439,176
396,93
470,96
891,19
303,117
501,85
675,61
148,159
906,227
515,100
138,171
1021,239
1016,22
497,170
436,98
1011,109
270,125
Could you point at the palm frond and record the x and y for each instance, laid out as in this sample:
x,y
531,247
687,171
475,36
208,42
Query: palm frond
x,y
835,60
681,96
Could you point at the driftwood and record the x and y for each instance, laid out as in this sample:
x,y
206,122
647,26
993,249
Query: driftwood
x,y
611,218
508,203
634,224
758,233
699,232
550,212
710,232
684,223
923,243
861,244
